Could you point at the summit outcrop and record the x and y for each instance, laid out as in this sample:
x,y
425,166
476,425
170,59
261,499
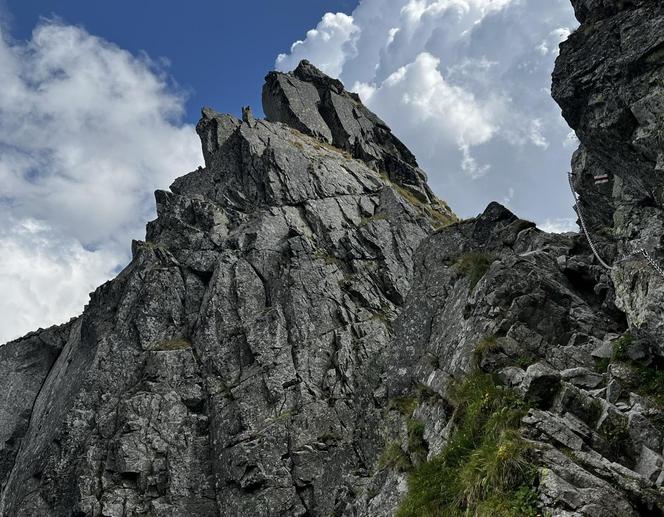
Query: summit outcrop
x,y
308,330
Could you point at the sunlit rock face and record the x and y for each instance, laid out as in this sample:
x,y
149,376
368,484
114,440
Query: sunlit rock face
x,y
304,298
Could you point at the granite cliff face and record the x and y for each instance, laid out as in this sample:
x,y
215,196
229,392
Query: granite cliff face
x,y
291,336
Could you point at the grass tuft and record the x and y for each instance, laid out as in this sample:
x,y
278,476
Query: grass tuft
x,y
648,378
620,346
317,144
474,266
486,345
154,246
616,433
417,447
602,364
437,211
485,468
404,405
174,344
651,384
329,259
394,457
378,217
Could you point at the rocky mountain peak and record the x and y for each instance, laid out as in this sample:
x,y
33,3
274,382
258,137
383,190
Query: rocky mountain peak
x,y
308,331
308,73
310,101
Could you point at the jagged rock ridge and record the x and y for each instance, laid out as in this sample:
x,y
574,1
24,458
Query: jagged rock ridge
x,y
247,360
317,105
237,353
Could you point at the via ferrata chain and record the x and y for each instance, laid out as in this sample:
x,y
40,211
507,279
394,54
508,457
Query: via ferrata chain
x,y
642,251
577,209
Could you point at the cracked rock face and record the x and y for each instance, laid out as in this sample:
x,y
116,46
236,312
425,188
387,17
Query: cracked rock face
x,y
255,355
230,368
311,102
609,82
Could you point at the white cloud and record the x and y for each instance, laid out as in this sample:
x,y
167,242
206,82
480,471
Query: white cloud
x,y
550,44
469,165
87,133
44,279
425,104
571,141
559,225
327,44
466,85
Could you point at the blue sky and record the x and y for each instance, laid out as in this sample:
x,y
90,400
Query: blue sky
x,y
219,51
98,103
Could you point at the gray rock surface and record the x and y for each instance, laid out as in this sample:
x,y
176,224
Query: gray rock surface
x,y
230,368
609,82
24,364
304,297
311,102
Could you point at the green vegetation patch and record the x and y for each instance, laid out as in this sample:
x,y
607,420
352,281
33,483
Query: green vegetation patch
x,y
616,433
651,383
485,467
487,345
329,259
378,217
154,246
394,457
648,378
317,144
491,344
602,365
408,404
439,216
620,346
417,447
404,405
618,353
474,266
525,359
174,344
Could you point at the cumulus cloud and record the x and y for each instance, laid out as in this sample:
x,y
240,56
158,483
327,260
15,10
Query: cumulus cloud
x,y
45,279
428,106
87,132
549,45
466,85
560,225
328,44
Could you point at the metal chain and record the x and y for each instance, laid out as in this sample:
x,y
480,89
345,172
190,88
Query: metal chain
x,y
577,209
652,262
642,251
627,257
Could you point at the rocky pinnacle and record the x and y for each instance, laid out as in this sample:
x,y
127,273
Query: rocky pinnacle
x,y
304,302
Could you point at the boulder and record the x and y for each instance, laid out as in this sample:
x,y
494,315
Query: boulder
x,y
540,384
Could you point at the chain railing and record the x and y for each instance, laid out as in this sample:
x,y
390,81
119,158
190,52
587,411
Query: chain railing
x,y
642,251
577,209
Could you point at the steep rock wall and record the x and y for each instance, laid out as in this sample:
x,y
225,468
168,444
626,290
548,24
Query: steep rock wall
x,y
304,298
